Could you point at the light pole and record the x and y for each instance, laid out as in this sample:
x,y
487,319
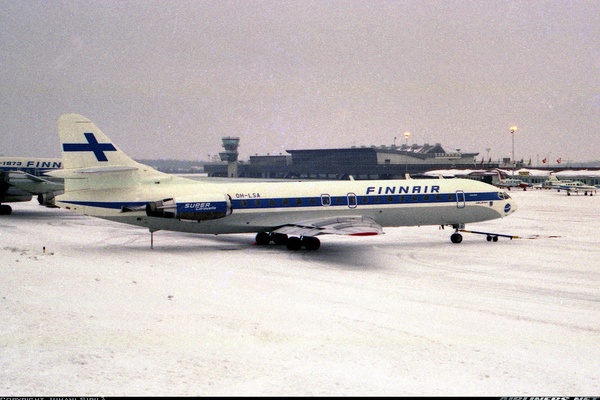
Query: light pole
x,y
512,131
406,135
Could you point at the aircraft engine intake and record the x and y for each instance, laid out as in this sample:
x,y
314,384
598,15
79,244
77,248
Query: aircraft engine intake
x,y
47,199
193,208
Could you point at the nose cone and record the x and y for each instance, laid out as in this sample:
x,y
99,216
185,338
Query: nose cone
x,y
510,207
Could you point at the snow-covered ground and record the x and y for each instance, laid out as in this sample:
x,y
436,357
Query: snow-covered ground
x,y
405,313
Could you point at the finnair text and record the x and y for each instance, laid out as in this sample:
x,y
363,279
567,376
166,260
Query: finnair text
x,y
403,189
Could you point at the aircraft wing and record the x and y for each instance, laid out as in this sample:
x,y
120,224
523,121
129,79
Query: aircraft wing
x,y
351,225
33,184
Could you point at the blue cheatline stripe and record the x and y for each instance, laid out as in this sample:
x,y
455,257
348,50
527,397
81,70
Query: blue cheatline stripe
x,y
335,201
361,200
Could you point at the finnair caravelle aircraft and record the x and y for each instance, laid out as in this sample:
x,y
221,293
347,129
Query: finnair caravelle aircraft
x,y
21,178
101,181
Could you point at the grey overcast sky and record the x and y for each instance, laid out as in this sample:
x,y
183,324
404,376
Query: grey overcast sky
x,y
169,79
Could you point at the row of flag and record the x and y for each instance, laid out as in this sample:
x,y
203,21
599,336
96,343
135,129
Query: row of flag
x,y
558,160
544,161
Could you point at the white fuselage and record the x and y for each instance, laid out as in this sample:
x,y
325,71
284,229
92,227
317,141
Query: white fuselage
x,y
258,206
575,186
33,166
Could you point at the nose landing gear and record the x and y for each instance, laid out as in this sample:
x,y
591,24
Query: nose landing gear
x,y
456,237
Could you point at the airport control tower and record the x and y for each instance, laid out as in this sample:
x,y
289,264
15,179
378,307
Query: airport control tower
x,y
230,155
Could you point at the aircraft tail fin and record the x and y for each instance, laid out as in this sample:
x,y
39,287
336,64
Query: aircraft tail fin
x,y
84,145
501,174
91,160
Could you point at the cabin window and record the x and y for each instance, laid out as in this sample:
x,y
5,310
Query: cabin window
x,y
351,200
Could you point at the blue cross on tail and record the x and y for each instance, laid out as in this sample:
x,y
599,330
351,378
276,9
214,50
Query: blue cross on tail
x,y
91,145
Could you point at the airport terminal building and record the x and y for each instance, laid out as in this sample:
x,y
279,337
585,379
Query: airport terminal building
x,y
384,162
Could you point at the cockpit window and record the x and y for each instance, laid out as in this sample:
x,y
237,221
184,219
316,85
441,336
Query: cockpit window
x,y
503,196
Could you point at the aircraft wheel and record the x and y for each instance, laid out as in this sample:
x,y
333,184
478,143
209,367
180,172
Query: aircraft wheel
x,y
294,243
456,238
279,238
311,243
5,210
263,238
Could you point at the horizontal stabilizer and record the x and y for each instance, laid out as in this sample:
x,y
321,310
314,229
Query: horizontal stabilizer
x,y
81,172
20,175
33,184
24,175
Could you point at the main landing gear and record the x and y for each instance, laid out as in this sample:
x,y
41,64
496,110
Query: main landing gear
x,y
5,210
292,243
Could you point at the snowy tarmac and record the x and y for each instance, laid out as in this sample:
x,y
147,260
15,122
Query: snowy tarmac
x,y
88,308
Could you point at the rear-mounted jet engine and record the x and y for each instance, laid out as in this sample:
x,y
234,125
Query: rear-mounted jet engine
x,y
194,208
